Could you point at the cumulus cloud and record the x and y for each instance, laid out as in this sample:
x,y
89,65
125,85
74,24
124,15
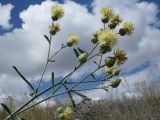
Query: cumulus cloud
x,y
26,48
5,15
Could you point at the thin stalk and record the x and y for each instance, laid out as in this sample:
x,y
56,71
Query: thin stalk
x,y
86,77
124,78
100,61
57,52
63,81
102,80
86,89
19,109
70,96
49,49
18,112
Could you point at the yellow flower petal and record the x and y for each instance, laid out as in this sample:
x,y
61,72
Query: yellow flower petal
x,y
106,12
129,27
108,36
57,12
73,38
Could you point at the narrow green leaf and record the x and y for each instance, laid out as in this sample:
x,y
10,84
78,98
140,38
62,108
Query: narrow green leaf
x,y
47,39
32,94
6,108
81,51
23,78
81,95
52,61
76,52
95,63
52,78
93,76
70,96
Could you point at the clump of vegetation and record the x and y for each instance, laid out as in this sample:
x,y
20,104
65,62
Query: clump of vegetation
x,y
105,39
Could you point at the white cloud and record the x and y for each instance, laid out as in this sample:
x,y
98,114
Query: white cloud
x,y
26,48
5,15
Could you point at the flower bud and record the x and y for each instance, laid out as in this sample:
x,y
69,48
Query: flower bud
x,y
116,72
112,25
108,70
115,82
83,58
109,61
69,44
104,47
122,31
105,20
94,40
112,70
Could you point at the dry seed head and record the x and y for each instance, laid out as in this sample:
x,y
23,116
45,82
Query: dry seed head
x,y
120,56
53,29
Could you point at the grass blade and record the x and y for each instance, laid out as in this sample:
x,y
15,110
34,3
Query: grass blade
x,y
6,108
93,76
23,78
52,78
81,51
81,95
47,39
76,52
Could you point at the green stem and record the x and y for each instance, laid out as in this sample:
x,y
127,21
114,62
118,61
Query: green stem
x,y
100,80
57,52
49,49
88,89
60,83
18,112
87,77
65,80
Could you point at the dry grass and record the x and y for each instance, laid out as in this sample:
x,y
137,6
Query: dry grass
x,y
146,107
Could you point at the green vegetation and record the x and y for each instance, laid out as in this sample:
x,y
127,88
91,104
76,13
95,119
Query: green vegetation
x,y
144,107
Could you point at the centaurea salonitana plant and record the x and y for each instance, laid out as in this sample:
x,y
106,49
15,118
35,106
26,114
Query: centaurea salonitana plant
x,y
105,39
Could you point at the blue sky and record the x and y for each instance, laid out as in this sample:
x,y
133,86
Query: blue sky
x,y
139,59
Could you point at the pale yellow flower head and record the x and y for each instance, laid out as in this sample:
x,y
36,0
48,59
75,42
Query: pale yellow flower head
x,y
57,12
108,36
116,19
67,113
73,39
129,27
106,12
